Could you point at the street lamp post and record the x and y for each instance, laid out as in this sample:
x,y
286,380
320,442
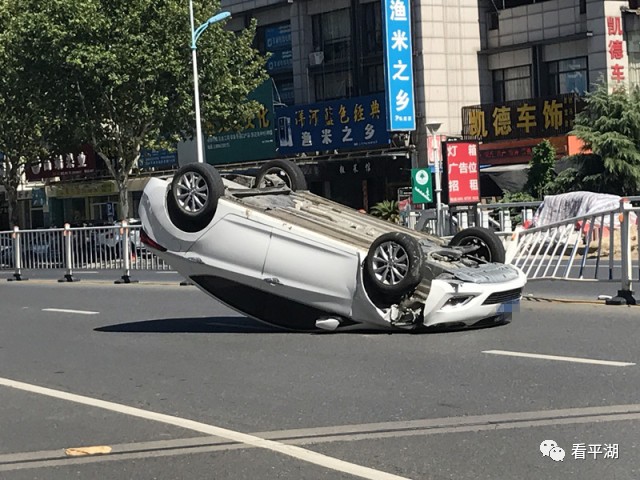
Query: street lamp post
x,y
432,128
195,35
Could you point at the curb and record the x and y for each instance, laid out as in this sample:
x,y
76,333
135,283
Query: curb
x,y
578,301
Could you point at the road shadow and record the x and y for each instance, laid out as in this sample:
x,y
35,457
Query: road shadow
x,y
194,325
249,325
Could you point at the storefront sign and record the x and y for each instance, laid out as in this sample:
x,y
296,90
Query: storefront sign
x,y
280,61
88,189
158,159
530,118
398,61
341,124
277,37
490,155
254,142
462,172
617,61
63,165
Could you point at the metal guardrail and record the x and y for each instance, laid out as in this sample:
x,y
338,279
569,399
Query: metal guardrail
x,y
116,247
598,246
601,246
495,216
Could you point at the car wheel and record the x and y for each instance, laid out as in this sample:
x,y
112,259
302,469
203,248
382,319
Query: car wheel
x,y
194,195
392,266
276,173
489,246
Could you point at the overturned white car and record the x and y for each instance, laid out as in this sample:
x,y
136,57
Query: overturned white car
x,y
287,257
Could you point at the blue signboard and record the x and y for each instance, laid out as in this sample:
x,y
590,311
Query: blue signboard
x,y
280,61
278,37
349,123
158,159
398,60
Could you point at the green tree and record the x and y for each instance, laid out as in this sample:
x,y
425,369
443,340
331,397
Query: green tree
x,y
118,73
23,123
610,128
540,168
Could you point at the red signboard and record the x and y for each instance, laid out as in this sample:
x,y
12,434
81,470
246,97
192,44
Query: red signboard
x,y
462,172
615,35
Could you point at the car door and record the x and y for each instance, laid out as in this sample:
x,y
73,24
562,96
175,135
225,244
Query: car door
x,y
236,247
311,269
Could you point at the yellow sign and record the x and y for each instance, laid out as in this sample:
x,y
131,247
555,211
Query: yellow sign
x,y
91,189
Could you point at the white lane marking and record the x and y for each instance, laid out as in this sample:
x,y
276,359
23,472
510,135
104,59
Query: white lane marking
x,y
65,310
559,359
290,450
166,271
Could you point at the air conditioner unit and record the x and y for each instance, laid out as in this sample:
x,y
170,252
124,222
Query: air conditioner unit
x,y
316,58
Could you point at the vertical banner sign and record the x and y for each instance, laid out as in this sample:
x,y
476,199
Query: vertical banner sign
x,y
617,61
398,61
462,172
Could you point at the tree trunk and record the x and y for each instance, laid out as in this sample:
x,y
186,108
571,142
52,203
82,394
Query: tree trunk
x,y
123,191
12,200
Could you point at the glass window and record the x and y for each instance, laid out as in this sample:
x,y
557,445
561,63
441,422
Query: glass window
x,y
329,86
374,75
332,35
568,76
515,3
512,84
372,29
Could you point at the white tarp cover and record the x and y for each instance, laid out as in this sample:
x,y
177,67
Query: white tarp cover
x,y
556,208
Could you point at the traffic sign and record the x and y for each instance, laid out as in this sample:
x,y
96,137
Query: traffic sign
x,y
421,185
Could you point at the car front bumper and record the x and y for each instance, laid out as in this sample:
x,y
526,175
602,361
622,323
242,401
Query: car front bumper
x,y
455,302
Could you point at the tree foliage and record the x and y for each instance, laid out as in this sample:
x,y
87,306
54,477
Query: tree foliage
x,y
610,128
118,73
24,124
541,168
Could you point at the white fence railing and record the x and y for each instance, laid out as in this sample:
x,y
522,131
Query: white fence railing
x,y
85,248
601,246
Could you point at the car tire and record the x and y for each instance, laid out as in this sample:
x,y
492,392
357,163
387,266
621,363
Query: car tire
x,y
490,247
193,198
286,171
392,267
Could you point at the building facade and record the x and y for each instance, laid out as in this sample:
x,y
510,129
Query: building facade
x,y
505,73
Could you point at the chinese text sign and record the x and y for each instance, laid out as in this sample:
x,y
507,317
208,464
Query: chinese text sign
x,y
529,118
398,61
340,124
617,62
462,172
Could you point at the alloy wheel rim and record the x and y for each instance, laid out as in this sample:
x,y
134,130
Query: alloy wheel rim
x,y
192,192
390,263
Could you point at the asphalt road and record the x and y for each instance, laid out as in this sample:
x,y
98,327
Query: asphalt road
x,y
178,386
